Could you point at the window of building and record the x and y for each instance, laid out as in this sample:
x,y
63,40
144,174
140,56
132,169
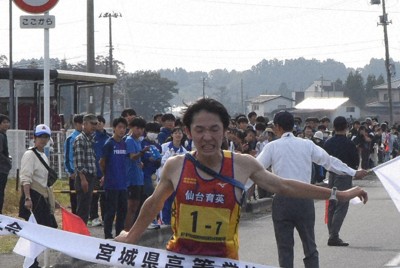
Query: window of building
x,y
350,109
255,107
385,97
281,106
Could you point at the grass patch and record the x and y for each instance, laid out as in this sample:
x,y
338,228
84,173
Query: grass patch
x,y
7,243
11,207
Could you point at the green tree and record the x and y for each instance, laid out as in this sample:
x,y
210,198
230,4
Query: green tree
x,y
354,89
284,90
380,80
372,81
369,87
147,92
338,85
33,64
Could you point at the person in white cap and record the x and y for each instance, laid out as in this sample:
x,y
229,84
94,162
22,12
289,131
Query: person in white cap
x,y
36,196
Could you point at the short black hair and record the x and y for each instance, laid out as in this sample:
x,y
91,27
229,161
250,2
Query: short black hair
x,y
138,122
238,116
262,119
175,129
209,105
242,120
167,117
156,116
325,119
152,127
250,130
119,120
312,119
260,126
101,118
178,122
339,123
78,118
252,114
285,120
127,112
4,117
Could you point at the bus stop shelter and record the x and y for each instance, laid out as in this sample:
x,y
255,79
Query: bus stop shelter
x,y
60,80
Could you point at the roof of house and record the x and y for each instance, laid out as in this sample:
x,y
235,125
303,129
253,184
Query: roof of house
x,y
321,103
379,104
266,98
316,86
395,84
59,76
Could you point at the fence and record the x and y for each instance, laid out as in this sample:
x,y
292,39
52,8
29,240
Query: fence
x,y
20,140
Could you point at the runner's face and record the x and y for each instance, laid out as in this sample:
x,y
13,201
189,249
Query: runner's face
x,y
207,132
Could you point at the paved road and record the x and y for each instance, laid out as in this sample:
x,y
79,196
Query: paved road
x,y
373,231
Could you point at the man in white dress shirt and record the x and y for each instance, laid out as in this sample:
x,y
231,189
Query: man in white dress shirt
x,y
291,158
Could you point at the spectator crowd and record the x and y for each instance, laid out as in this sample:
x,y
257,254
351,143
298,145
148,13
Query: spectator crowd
x,y
112,174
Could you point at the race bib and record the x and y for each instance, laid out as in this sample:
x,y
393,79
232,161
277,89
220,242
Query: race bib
x,y
204,224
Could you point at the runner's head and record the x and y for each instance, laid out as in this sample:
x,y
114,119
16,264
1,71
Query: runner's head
x,y
208,105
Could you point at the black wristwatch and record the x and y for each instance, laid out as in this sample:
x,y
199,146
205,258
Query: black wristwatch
x,y
333,194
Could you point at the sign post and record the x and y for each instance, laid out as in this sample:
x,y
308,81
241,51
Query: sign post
x,y
37,22
45,22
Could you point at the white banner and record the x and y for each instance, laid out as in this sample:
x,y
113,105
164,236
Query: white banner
x,y
388,174
110,252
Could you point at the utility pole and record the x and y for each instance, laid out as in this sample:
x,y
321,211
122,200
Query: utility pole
x,y
322,86
241,95
111,15
383,20
204,87
11,109
90,65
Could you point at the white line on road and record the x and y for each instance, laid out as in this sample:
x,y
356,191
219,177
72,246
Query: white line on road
x,y
395,262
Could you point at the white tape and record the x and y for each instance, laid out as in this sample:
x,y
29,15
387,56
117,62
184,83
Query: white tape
x,y
110,252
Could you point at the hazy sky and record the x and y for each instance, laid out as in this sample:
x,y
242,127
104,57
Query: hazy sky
x,y
202,35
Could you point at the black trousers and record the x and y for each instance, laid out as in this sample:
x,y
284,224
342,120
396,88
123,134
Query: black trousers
x,y
72,196
96,197
3,183
288,214
337,211
84,200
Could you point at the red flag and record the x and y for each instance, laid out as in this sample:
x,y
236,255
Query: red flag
x,y
73,223
326,211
